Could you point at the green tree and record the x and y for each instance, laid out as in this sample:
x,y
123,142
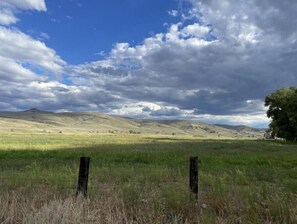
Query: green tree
x,y
283,112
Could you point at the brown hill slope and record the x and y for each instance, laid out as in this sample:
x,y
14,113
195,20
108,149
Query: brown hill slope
x,y
42,121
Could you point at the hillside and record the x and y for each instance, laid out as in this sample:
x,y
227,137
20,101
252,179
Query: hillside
x,y
35,120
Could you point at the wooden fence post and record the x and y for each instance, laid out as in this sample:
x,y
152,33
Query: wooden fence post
x,y
82,185
194,175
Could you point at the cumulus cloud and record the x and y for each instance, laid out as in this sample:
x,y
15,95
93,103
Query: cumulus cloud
x,y
8,9
26,61
16,45
221,62
7,17
216,65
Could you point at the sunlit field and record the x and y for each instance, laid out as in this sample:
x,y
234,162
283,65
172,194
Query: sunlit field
x,y
144,179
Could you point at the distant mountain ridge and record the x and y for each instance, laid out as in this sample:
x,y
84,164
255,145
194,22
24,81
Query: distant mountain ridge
x,y
35,110
239,127
35,120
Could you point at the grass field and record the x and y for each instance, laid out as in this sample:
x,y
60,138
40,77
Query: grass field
x,y
144,179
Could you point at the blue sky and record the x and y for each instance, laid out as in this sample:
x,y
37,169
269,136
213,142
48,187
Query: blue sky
x,y
94,26
212,61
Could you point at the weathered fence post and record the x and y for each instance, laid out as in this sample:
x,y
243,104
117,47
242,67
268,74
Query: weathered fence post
x,y
194,175
82,185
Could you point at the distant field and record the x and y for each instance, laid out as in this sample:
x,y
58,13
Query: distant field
x,y
144,179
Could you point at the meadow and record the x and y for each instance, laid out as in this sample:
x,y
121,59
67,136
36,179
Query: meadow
x,y
144,179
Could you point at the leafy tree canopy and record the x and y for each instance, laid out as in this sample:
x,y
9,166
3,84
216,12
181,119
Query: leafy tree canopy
x,y
283,112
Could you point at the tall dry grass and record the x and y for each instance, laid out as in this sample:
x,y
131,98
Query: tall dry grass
x,y
213,207
44,208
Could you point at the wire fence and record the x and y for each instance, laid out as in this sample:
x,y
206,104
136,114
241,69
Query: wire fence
x,y
96,178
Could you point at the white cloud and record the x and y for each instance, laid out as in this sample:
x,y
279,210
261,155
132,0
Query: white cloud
x,y
44,36
16,45
8,9
22,53
216,65
195,30
258,120
220,64
27,65
173,13
12,71
7,17
24,4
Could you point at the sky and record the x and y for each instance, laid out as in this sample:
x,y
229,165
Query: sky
x,y
203,60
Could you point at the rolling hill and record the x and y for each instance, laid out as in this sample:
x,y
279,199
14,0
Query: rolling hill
x,y
35,120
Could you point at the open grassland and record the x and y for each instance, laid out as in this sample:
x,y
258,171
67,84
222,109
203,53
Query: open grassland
x,y
144,179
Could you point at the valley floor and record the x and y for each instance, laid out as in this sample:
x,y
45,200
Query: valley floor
x,y
144,179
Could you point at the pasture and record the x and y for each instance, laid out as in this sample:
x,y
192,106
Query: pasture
x,y
144,179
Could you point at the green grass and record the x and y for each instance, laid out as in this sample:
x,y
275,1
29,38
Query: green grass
x,y
240,181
